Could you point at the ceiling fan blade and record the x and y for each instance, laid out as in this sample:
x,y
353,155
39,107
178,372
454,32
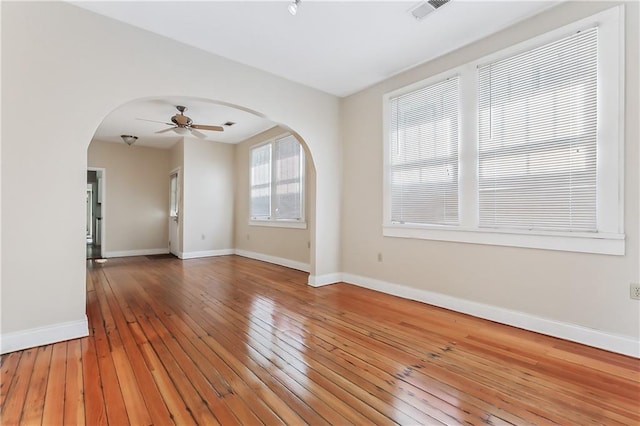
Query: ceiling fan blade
x,y
155,121
165,130
204,127
197,134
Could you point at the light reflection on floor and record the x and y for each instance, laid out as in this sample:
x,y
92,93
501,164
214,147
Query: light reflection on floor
x,y
267,335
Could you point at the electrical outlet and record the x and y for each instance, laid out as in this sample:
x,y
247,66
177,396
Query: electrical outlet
x,y
379,257
635,291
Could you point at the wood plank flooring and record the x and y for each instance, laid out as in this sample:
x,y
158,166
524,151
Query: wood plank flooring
x,y
229,340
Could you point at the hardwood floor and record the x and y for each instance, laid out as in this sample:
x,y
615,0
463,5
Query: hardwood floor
x,y
229,340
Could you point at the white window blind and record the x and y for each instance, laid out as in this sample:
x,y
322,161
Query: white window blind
x,y
288,179
261,182
277,180
537,137
424,155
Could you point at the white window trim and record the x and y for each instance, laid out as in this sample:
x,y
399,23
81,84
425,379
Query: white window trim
x,y
297,224
282,223
610,238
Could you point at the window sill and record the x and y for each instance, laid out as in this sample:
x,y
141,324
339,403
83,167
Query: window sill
x,y
582,242
279,224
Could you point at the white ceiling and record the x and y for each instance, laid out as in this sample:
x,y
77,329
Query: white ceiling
x,y
339,47
130,119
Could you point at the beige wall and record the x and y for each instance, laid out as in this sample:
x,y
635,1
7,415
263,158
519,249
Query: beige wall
x,y
208,174
137,196
588,290
285,243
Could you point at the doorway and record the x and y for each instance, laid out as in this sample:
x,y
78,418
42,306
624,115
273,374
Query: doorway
x,y
90,214
174,213
95,216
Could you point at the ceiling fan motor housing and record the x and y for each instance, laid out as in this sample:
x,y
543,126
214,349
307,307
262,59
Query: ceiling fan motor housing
x,y
181,120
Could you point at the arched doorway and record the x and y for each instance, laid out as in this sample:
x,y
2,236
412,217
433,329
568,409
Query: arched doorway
x,y
185,190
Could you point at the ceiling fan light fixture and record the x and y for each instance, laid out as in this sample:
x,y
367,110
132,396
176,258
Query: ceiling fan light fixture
x,y
293,7
183,125
129,139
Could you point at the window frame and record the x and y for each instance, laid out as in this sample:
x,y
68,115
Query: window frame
x,y
272,221
392,167
174,210
610,238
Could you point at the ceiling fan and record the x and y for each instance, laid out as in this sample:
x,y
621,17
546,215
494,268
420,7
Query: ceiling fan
x,y
181,124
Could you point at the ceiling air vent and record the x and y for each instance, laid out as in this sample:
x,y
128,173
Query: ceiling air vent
x,y
437,3
424,8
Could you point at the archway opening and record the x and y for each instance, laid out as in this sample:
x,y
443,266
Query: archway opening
x,y
188,191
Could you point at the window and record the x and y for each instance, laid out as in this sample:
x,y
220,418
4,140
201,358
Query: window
x,y
277,183
173,195
520,148
424,155
537,137
261,182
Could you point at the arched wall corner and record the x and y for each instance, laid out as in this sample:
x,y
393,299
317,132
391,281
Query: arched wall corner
x,y
61,76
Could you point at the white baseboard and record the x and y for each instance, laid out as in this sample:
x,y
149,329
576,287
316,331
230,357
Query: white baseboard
x,y
326,279
142,252
205,253
591,337
273,259
39,336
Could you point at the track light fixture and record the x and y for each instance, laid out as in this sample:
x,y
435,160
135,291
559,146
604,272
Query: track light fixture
x,y
293,7
128,139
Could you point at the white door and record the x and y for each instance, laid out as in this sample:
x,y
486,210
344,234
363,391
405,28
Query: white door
x,y
174,214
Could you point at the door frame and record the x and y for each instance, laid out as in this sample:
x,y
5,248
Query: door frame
x,y
178,172
90,214
102,199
